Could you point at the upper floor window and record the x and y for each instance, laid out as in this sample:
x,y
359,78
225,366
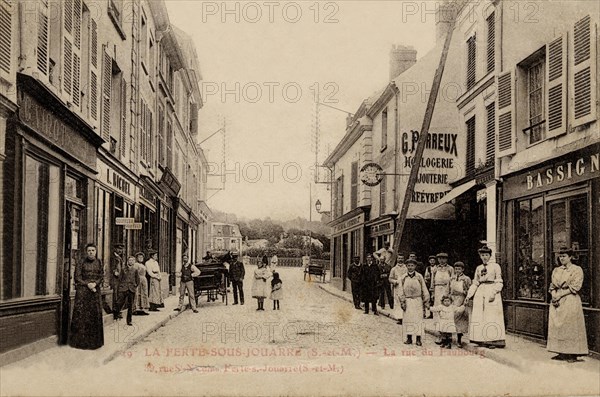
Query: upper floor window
x,y
470,160
491,42
6,11
115,12
536,101
354,186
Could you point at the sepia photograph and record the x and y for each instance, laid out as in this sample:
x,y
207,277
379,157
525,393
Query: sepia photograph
x,y
299,198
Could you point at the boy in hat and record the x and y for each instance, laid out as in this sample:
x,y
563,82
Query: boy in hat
x,y
236,275
129,279
354,276
414,300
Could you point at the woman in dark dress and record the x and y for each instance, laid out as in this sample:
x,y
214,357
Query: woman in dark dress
x,y
86,325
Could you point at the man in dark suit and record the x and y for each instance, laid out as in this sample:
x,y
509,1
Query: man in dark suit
x,y
370,282
236,275
384,284
354,276
129,279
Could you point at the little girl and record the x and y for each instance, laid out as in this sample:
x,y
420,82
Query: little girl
x,y
259,286
446,312
276,292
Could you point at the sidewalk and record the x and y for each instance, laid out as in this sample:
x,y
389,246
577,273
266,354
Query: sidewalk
x,y
118,338
519,353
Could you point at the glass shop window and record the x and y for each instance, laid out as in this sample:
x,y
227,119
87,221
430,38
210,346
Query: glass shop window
x,y
530,250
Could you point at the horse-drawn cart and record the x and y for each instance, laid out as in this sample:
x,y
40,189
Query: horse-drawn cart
x,y
213,279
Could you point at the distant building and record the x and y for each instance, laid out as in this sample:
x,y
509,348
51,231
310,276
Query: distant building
x,y
225,237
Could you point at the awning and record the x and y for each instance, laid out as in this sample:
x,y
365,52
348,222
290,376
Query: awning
x,y
441,208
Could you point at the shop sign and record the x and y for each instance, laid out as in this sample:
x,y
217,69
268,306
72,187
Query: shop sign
x,y
148,195
133,226
440,165
57,131
349,224
382,229
124,221
561,173
112,178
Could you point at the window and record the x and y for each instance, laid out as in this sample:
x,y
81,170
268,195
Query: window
x,y
36,274
490,144
115,104
115,12
170,144
144,45
471,61
354,186
536,101
161,137
530,250
384,128
470,159
491,42
382,196
339,196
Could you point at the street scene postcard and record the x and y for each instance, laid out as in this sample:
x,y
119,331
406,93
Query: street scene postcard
x,y
299,198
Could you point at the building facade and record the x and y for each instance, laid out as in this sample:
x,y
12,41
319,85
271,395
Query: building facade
x,y
225,237
86,109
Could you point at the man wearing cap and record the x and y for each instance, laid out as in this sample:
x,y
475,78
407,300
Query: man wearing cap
x,y
188,272
429,271
236,276
116,266
440,284
369,282
487,318
414,300
354,277
395,275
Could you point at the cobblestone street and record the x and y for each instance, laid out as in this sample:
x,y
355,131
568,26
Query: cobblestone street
x,y
316,343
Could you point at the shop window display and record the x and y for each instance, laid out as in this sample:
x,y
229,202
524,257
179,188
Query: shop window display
x,y
530,249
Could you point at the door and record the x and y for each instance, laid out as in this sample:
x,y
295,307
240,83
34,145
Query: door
x,y
568,225
72,239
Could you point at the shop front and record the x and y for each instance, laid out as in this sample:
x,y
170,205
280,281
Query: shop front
x,y
381,231
116,189
552,205
167,255
50,174
349,239
147,215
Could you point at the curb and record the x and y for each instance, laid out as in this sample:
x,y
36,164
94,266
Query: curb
x,y
491,354
141,336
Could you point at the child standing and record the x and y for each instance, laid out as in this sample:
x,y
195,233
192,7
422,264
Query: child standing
x,y
259,286
276,291
446,312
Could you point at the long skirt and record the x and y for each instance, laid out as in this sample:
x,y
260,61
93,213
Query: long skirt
x,y
87,330
461,320
259,288
487,319
155,292
566,327
412,322
141,301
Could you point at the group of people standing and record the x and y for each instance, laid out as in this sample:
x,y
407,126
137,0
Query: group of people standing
x,y
135,284
462,306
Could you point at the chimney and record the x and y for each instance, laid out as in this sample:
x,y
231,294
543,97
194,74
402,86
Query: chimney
x,y
401,58
444,14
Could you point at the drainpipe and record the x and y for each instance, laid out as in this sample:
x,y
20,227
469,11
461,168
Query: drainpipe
x,y
396,134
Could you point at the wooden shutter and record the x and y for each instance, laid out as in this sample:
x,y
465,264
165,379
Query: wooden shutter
x,y
161,136
149,139
556,95
94,70
354,186
491,42
506,114
471,61
72,50
123,129
490,138
470,158
42,39
5,35
106,91
582,75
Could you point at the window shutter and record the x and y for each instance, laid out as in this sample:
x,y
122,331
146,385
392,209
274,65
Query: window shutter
x,y
106,90
490,138
150,136
506,122
470,158
354,186
72,50
556,98
5,35
491,42
94,70
582,76
67,66
123,143
471,61
42,39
